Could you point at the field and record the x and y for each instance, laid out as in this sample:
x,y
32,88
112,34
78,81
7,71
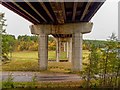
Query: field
x,y
28,61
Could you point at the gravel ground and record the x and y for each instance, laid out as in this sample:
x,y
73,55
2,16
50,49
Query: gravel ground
x,y
28,77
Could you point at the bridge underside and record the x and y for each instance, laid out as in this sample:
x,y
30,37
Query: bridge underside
x,y
54,12
66,21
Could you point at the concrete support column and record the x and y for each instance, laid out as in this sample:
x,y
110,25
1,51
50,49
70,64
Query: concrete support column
x,y
64,46
76,51
43,51
59,48
70,50
58,45
67,49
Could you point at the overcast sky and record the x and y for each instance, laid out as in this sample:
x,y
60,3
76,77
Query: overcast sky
x,y
105,22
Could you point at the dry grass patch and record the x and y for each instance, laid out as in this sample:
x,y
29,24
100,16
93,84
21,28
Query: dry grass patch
x,y
28,61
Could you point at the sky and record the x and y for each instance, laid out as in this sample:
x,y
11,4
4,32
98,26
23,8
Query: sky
x,y
105,22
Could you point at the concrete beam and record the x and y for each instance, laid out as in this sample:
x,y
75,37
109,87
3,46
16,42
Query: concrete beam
x,y
83,28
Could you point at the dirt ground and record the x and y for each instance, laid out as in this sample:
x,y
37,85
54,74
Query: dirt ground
x,y
44,77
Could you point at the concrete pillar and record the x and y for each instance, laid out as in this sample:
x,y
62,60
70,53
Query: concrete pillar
x,y
64,46
67,49
70,50
76,51
43,51
58,46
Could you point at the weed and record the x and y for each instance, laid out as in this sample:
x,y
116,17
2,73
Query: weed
x,y
34,80
9,82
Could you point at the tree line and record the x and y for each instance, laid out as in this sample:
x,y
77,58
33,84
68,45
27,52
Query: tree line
x,y
30,43
22,43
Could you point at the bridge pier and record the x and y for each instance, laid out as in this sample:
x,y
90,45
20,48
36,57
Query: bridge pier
x,y
58,49
70,50
75,42
43,51
64,48
77,51
67,49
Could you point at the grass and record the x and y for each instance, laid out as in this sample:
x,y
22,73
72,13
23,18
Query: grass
x,y
52,55
44,85
28,61
34,55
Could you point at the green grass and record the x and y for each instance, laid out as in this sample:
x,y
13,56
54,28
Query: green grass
x,y
52,55
28,61
34,55
44,85
25,55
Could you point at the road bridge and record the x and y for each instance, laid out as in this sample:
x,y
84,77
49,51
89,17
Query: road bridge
x,y
66,21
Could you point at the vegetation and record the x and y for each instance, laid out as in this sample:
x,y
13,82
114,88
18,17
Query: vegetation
x,y
28,61
101,62
103,69
9,82
30,43
3,55
46,85
8,42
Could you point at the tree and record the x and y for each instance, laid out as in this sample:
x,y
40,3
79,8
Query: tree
x,y
92,68
103,67
2,31
51,43
8,43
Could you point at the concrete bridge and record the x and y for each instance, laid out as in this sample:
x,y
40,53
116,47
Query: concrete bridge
x,y
66,21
